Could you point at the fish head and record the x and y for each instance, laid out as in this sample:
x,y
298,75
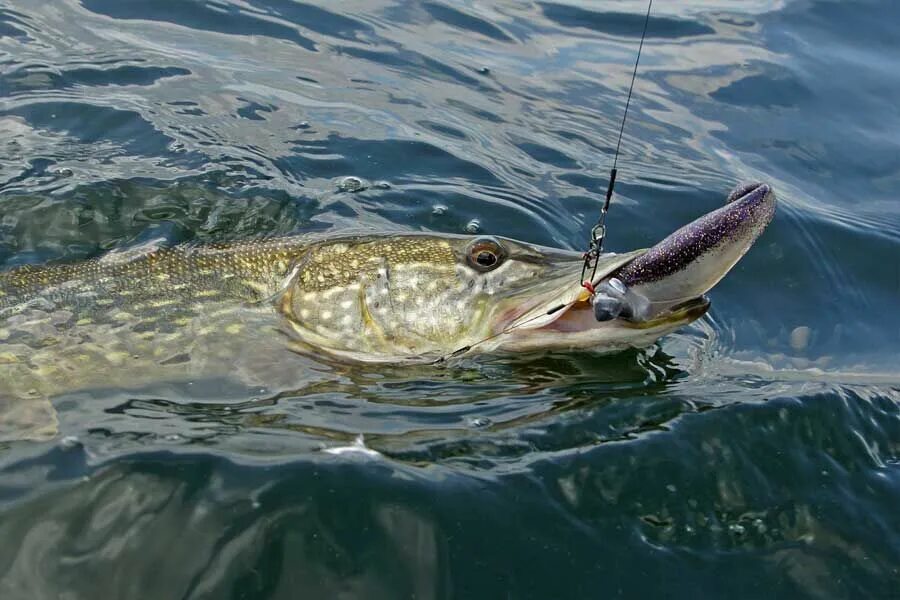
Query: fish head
x,y
376,298
425,296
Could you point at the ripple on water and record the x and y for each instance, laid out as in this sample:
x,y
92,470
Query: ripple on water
x,y
222,19
755,454
622,24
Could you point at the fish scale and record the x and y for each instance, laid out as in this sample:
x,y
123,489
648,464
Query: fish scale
x,y
127,320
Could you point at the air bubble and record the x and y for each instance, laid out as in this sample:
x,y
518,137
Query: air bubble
x,y
474,226
480,422
351,184
800,338
439,210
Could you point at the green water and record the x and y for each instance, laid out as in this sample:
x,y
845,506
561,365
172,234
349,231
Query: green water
x,y
752,455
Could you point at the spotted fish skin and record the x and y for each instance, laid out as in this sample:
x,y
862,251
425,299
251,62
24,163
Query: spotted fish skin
x,y
129,319
158,279
383,296
126,320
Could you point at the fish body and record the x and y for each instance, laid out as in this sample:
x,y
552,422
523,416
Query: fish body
x,y
128,320
133,318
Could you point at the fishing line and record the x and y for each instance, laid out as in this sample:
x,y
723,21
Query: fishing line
x,y
592,256
598,232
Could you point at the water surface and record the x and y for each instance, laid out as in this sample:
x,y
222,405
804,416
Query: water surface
x,y
753,454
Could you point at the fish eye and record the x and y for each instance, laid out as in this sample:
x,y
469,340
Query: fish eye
x,y
485,254
486,258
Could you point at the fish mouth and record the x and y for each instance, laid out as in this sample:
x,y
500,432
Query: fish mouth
x,y
547,302
660,288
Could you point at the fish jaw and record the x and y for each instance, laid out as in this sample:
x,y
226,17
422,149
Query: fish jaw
x,y
574,327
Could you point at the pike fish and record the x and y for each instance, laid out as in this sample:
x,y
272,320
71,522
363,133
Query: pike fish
x,y
129,319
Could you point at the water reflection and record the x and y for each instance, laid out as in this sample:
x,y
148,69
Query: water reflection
x,y
420,414
96,535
